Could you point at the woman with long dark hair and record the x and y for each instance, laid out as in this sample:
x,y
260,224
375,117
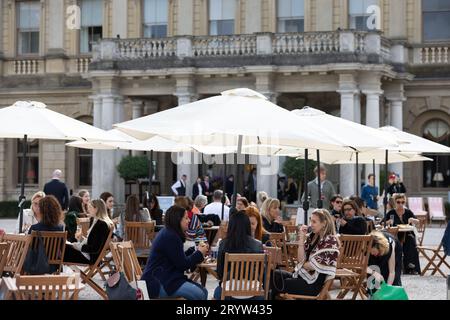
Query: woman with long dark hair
x,y
70,220
133,213
152,204
239,240
164,272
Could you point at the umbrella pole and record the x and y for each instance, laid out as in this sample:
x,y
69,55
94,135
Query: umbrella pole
x,y
306,201
239,151
357,174
224,186
319,199
385,200
22,185
150,174
373,172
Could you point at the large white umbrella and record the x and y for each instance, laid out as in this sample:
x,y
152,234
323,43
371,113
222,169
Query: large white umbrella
x,y
33,120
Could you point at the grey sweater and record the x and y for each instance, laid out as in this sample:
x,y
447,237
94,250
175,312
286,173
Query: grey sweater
x,y
313,193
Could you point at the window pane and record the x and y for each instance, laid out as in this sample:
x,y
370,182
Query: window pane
x,y
88,36
85,167
222,9
32,170
436,26
215,9
221,27
158,31
435,5
213,27
34,42
290,8
291,25
29,15
358,23
360,6
91,13
156,11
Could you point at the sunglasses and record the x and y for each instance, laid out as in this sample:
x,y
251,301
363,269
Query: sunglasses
x,y
348,209
401,202
338,202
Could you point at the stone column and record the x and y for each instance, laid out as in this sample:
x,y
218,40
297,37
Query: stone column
x,y
373,120
348,91
55,30
137,107
186,165
105,176
396,117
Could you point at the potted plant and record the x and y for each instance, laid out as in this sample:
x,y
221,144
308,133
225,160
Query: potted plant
x,y
132,168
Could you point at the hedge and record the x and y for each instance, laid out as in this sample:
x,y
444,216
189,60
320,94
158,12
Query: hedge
x,y
9,209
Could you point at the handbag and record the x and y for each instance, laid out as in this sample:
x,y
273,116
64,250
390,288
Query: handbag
x,y
36,261
388,292
118,287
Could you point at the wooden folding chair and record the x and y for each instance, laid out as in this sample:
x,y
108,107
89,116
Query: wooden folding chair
x,y
421,227
432,254
55,245
275,255
279,240
246,275
130,261
84,223
352,264
141,233
19,244
323,294
46,287
4,250
91,269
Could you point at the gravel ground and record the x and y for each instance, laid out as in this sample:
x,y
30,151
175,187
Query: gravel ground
x,y
418,288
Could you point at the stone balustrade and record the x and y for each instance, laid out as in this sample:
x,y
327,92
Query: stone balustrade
x,y
26,66
432,54
82,64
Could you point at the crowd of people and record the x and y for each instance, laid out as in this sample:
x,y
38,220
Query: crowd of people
x,y
249,226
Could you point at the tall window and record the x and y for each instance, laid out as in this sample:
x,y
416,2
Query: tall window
x,y
436,174
436,20
83,171
155,18
32,173
291,15
28,22
221,17
91,24
358,13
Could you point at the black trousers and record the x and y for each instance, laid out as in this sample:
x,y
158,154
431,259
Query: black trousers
x,y
72,255
282,282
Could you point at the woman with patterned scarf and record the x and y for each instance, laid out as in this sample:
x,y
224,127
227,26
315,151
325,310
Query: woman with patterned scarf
x,y
318,254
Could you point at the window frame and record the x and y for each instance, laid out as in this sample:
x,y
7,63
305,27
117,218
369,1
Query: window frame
x,y
18,157
291,18
90,32
221,20
154,24
359,15
20,31
423,26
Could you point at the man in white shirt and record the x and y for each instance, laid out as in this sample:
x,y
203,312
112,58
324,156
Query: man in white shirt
x,y
179,187
216,206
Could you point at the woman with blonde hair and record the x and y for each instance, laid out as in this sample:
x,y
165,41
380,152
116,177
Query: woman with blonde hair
x,y
87,250
31,216
317,253
270,212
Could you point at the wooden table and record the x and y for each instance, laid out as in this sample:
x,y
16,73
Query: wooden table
x,y
202,271
211,233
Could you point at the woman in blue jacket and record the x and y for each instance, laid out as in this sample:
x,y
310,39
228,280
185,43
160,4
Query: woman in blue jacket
x,y
164,272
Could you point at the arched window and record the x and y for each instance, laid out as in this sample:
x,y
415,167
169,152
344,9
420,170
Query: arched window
x,y
436,174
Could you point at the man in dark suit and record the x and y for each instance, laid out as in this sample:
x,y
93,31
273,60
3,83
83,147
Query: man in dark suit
x,y
58,189
207,188
197,188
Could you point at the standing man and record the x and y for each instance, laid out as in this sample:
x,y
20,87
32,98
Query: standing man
x,y
197,188
326,187
58,189
369,193
207,188
179,187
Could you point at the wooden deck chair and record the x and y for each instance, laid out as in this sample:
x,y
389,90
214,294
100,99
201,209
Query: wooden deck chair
x,y
91,269
84,223
130,260
248,275
352,264
141,233
19,244
415,204
46,287
4,251
323,294
435,256
55,246
436,209
279,240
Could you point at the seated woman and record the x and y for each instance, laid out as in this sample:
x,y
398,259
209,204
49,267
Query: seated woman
x,y
352,223
239,240
385,261
164,272
401,215
70,220
270,212
87,250
255,222
318,258
133,213
152,204
30,216
195,231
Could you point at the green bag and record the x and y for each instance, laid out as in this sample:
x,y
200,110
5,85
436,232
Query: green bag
x,y
388,292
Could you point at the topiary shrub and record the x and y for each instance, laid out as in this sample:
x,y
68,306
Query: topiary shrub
x,y
133,167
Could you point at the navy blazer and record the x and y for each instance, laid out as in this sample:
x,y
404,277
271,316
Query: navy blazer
x,y
59,190
167,263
